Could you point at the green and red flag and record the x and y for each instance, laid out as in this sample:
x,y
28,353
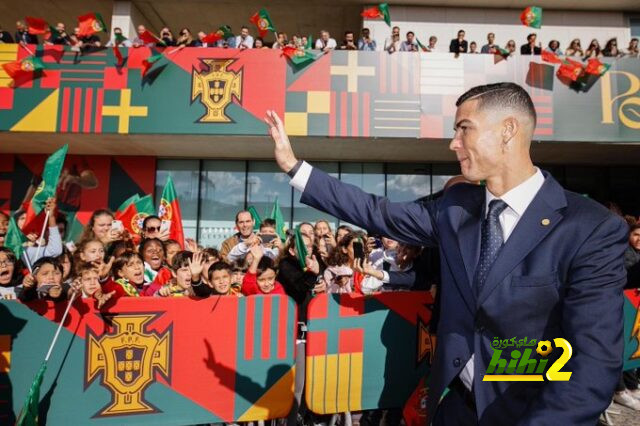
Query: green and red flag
x,y
132,215
571,70
147,64
421,46
91,23
212,37
52,33
595,67
45,190
551,57
263,22
118,55
276,214
126,203
376,12
298,56
301,248
256,218
309,44
148,37
36,25
225,31
14,239
169,209
532,17
75,228
23,69
120,38
29,414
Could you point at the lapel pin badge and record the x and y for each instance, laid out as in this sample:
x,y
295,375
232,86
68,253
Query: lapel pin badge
x,y
545,222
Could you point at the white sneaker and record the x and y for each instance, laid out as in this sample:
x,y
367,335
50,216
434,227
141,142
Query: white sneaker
x,y
625,398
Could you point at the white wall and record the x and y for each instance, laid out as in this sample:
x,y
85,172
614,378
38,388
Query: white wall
x,y
444,23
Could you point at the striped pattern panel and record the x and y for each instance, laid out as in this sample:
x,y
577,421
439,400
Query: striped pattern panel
x,y
396,116
349,114
80,110
266,322
441,74
8,53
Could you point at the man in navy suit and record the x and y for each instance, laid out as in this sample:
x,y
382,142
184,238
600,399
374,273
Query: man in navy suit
x,y
520,257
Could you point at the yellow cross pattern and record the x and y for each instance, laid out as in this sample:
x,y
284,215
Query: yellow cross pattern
x,y
124,111
352,71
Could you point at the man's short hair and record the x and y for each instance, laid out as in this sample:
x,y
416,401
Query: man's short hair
x,y
500,95
410,32
240,212
268,222
346,33
531,35
460,31
491,34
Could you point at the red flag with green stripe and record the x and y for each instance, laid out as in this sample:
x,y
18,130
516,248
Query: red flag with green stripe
x,y
532,17
132,215
169,209
46,189
379,11
91,23
262,21
36,25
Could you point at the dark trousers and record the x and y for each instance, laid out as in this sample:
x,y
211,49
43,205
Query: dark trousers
x,y
456,408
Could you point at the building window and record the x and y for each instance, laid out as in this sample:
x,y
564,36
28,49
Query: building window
x,y
406,182
265,184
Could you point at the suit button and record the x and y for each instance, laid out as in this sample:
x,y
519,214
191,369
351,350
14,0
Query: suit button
x,y
456,362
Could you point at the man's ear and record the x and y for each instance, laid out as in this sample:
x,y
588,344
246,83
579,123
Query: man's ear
x,y
510,128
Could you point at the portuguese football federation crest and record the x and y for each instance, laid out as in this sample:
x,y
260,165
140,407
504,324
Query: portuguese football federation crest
x,y
216,87
128,359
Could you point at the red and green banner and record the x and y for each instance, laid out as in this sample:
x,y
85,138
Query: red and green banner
x,y
367,352
263,22
631,329
36,25
532,17
91,23
45,190
152,360
380,11
169,209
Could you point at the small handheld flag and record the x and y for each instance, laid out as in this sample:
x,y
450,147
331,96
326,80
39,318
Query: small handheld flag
x,y
23,69
532,17
301,249
36,25
169,209
147,64
91,23
376,12
256,218
595,67
263,22
298,56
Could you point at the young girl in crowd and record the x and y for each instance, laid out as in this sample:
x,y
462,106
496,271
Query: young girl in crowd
x,y
128,276
4,226
92,251
45,282
10,276
155,273
171,247
261,276
339,273
185,269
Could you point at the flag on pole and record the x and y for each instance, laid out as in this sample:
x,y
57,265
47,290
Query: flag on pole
x,y
29,414
301,249
256,218
276,214
133,214
595,67
147,37
36,25
376,12
169,209
46,189
263,22
23,69
532,17
298,56
421,46
147,64
309,44
14,239
126,203
91,23
213,37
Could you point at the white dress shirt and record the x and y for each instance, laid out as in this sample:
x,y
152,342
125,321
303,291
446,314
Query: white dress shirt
x,y
517,199
331,44
247,42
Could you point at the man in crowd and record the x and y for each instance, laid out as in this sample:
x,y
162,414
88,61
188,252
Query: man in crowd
x,y
281,41
490,47
244,225
138,42
520,256
409,45
349,41
124,43
61,37
432,44
530,48
392,43
365,42
244,40
459,45
473,47
23,36
325,42
5,36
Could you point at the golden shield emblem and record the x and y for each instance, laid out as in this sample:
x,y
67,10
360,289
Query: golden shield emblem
x,y
216,87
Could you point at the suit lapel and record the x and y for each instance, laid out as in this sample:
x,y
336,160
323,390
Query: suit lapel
x,y
541,217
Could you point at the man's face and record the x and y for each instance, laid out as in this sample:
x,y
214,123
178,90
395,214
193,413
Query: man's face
x,y
461,35
410,37
152,228
60,27
365,33
325,36
244,32
395,31
19,25
491,38
634,239
349,38
141,29
245,224
532,39
477,142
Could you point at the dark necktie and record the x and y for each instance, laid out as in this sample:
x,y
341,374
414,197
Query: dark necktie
x,y
490,243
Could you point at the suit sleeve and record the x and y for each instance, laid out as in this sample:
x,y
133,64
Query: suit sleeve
x,y
409,222
592,320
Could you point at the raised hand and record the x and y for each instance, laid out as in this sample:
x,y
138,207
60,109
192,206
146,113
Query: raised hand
x,y
282,147
196,265
312,264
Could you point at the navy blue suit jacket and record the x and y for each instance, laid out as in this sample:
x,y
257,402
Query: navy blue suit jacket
x,y
562,279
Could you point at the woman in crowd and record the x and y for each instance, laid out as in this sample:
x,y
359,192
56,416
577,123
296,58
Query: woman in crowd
x,y
574,48
593,51
611,49
100,227
10,276
167,38
185,38
511,47
554,47
339,275
633,49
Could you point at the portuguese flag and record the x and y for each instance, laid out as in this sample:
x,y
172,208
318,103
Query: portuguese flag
x,y
551,57
37,25
213,37
256,217
46,189
91,23
14,238
379,11
23,69
262,21
225,31
148,37
570,69
148,63
74,227
276,214
134,213
532,17
298,56
595,67
169,209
